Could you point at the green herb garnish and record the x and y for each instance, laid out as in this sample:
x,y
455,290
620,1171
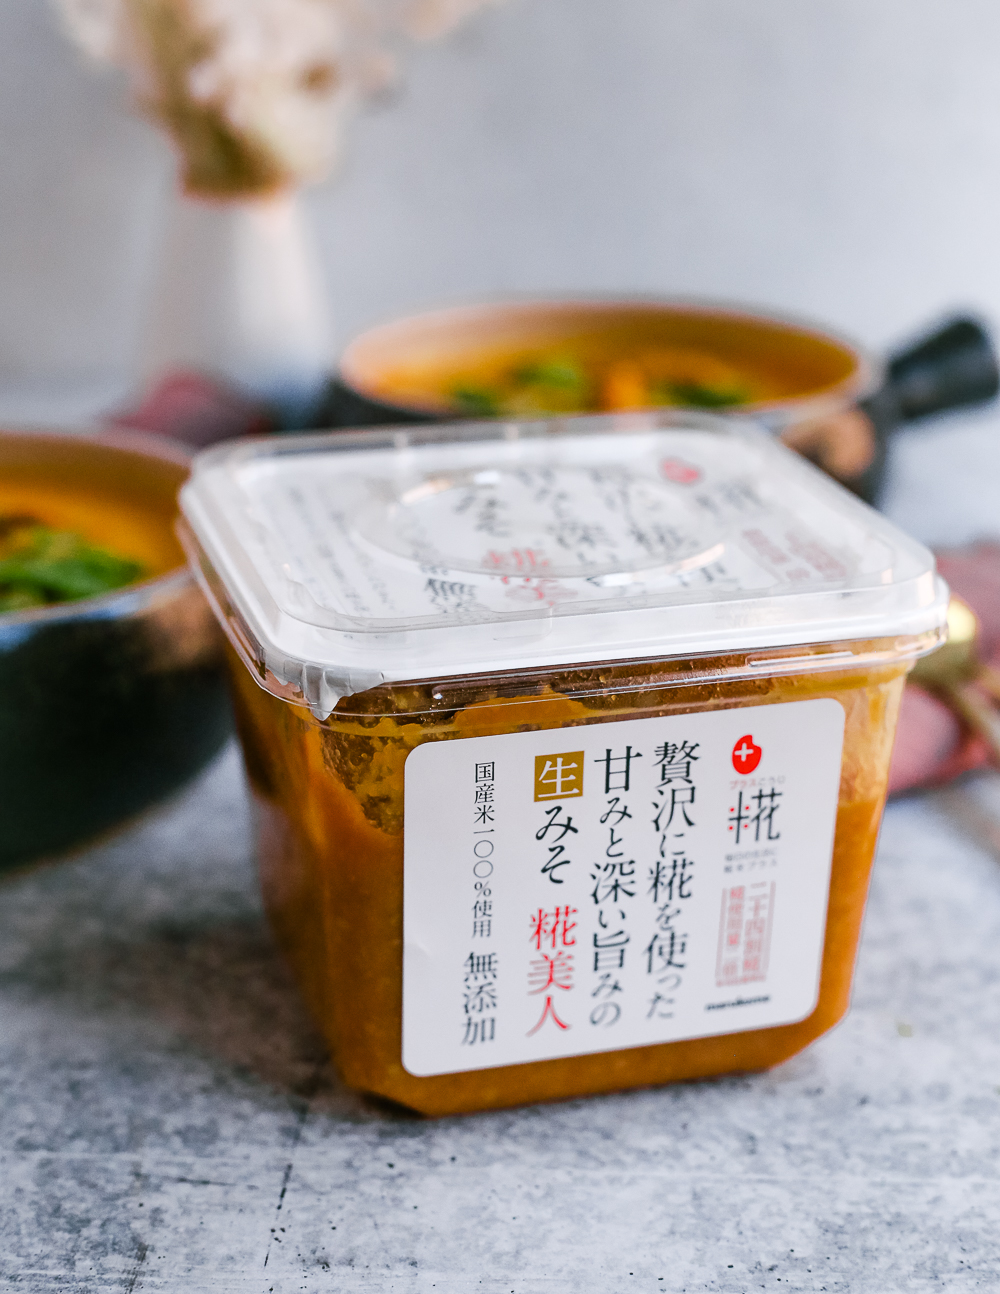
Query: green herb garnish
x,y
39,566
477,400
697,396
552,372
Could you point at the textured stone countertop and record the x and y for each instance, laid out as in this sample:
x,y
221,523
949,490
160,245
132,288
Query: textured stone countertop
x,y
168,1121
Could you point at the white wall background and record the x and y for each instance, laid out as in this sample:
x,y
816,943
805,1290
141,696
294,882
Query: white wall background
x,y
837,158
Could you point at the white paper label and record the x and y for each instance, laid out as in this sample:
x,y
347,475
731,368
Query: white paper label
x,y
616,885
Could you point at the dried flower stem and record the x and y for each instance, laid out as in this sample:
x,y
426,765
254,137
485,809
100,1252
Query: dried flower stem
x,y
252,91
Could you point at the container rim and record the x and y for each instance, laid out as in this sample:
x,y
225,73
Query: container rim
x,y
326,653
507,685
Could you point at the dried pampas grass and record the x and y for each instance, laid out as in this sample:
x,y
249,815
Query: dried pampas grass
x,y
253,91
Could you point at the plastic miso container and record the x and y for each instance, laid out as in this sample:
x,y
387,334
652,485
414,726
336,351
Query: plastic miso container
x,y
569,741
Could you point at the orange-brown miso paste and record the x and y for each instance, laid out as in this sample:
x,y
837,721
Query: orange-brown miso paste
x,y
330,798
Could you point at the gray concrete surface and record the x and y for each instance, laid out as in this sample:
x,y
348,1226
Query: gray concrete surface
x,y
168,1121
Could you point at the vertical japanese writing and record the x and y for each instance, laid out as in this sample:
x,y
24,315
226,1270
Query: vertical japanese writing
x,y
550,972
551,936
483,818
614,881
745,933
557,825
480,967
671,874
557,777
480,990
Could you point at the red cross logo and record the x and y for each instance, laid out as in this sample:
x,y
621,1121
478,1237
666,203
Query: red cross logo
x,y
746,756
680,472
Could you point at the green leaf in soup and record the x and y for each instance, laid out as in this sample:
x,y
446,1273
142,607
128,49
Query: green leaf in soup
x,y
20,597
560,372
479,401
83,575
41,566
697,396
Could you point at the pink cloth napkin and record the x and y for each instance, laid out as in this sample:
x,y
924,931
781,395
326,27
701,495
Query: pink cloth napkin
x,y
197,410
932,746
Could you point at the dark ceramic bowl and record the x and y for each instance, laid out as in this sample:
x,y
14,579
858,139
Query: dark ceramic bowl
x,y
107,704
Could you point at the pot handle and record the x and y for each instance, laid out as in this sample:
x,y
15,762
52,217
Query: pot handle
x,y
954,366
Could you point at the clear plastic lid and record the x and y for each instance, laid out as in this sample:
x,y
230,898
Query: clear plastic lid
x,y
360,558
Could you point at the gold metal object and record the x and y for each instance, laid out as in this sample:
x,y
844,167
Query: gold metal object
x,y
955,674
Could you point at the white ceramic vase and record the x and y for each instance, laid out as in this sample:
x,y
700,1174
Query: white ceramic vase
x,y
240,294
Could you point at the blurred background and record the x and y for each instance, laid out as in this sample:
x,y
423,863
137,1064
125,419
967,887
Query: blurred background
x,y
839,159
